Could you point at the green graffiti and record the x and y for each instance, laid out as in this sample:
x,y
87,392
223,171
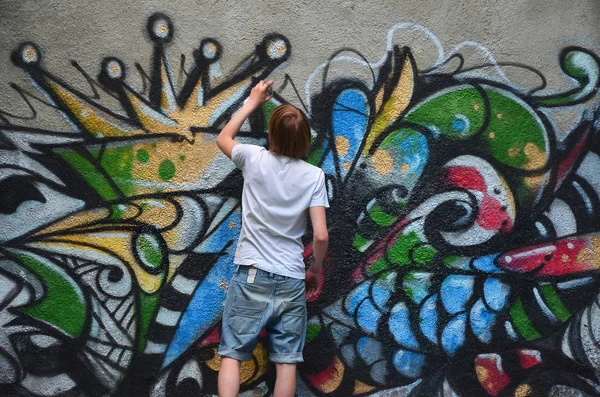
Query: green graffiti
x,y
117,211
91,174
148,250
554,302
515,135
400,252
581,66
381,217
456,113
142,156
166,170
63,304
522,322
268,108
118,163
312,331
147,308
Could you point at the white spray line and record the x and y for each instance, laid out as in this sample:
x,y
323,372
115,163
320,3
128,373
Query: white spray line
x,y
487,54
442,58
422,29
572,41
351,59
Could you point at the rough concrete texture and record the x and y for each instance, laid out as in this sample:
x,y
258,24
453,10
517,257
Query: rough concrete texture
x,y
460,145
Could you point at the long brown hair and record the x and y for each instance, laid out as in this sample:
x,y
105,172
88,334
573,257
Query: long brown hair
x,y
289,132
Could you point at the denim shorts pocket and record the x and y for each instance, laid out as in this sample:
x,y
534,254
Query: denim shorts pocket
x,y
246,316
293,317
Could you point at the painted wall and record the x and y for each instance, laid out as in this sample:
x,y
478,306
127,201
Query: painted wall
x,y
460,144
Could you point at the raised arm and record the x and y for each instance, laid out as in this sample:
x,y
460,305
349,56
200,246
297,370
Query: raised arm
x,y
258,96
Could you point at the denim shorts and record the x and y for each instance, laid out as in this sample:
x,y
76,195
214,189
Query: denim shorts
x,y
258,300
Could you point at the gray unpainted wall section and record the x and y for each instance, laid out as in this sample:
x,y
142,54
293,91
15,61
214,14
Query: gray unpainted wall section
x,y
525,31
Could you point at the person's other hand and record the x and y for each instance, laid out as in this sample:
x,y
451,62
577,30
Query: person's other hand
x,y
312,281
259,94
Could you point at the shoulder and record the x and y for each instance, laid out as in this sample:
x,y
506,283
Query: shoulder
x,y
311,169
308,166
245,151
247,148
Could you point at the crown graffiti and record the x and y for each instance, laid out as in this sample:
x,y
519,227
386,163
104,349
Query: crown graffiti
x,y
181,121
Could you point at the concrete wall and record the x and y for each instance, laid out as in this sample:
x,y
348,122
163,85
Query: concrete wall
x,y
460,146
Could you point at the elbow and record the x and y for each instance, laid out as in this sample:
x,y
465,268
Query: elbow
x,y
321,237
220,143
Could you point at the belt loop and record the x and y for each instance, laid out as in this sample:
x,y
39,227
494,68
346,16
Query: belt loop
x,y
252,271
237,270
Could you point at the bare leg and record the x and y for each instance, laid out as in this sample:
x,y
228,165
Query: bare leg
x,y
285,384
229,377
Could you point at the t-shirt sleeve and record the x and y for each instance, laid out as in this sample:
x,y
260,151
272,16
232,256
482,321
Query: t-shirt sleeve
x,y
319,197
241,154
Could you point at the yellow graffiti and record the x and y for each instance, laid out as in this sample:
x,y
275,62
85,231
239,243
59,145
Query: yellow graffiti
x,y
342,145
119,244
395,105
383,161
250,370
98,123
362,388
537,157
190,163
523,390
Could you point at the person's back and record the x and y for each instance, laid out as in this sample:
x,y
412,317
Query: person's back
x,y
268,287
277,192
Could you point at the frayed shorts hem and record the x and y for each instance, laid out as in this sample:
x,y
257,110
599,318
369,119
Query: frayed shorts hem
x,y
286,358
236,355
279,358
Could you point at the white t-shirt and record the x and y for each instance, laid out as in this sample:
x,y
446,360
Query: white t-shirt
x,y
277,192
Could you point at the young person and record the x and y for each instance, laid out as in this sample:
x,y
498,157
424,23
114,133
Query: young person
x,y
269,288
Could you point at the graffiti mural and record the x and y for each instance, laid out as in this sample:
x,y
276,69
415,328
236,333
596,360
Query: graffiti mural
x,y
464,225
